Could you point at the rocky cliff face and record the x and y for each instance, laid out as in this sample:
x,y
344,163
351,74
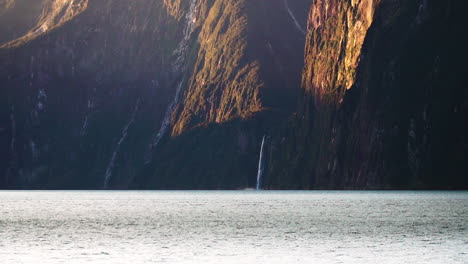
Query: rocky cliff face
x,y
384,104
147,94
54,13
72,90
261,62
14,26
178,94
244,82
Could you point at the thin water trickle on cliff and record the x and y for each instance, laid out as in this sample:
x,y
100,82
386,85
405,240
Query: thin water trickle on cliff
x,y
178,68
293,17
111,165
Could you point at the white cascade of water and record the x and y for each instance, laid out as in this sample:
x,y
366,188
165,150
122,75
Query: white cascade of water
x,y
167,117
13,131
190,22
111,164
177,69
261,166
293,17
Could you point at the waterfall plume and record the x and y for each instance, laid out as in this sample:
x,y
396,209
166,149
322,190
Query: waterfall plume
x,y
261,166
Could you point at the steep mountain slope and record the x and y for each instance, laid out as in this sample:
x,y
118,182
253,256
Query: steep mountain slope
x,y
392,114
189,94
14,26
256,51
54,14
71,92
113,94
244,82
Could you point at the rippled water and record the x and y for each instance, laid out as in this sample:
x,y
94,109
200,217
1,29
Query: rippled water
x,y
233,227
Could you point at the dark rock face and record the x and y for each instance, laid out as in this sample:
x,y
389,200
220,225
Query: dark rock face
x,y
14,26
148,94
178,94
72,90
393,117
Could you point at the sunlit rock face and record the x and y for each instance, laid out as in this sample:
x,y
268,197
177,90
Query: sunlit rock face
x,y
241,82
384,104
180,93
24,20
246,63
144,94
13,25
337,30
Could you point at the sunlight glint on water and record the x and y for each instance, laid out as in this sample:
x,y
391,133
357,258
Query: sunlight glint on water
x,y
233,227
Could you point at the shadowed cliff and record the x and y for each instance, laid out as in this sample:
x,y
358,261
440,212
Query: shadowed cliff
x,y
98,94
383,107
178,94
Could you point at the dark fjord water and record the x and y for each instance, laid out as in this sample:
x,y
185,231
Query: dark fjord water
x,y
233,227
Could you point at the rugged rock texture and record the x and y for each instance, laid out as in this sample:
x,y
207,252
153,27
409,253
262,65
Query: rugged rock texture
x,y
333,47
244,83
261,62
178,94
72,91
54,14
14,26
392,114
147,94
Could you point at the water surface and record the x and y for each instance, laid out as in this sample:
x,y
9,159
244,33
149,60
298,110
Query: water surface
x,y
233,227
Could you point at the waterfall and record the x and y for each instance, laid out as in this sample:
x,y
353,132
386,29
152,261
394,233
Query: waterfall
x,y
422,12
84,126
34,150
13,156
90,107
261,166
111,165
190,22
167,116
178,69
293,17
41,99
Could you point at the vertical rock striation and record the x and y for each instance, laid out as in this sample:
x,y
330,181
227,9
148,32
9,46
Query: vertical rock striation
x,y
54,14
202,72
384,104
242,75
72,85
337,30
176,94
